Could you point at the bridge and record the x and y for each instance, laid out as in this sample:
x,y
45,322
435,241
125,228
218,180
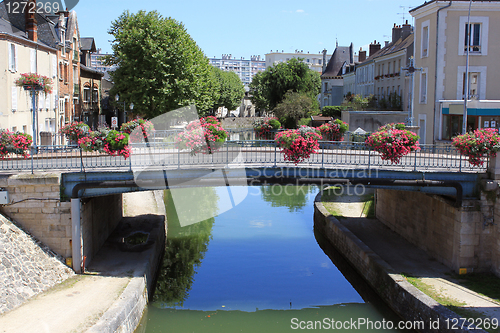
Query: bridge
x,y
433,169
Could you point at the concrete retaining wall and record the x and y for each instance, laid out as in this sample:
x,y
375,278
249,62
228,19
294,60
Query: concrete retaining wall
x,y
370,121
495,260
457,237
407,301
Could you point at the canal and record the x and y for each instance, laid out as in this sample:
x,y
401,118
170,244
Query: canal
x,y
257,266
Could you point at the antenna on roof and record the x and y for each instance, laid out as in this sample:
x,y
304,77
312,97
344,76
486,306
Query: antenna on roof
x,y
405,11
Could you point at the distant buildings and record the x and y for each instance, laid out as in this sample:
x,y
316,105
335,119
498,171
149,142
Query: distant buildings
x,y
97,61
244,68
315,61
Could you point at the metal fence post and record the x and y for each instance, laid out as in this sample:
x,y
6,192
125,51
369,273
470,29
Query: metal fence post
x,y
227,155
178,158
275,155
322,156
369,154
415,162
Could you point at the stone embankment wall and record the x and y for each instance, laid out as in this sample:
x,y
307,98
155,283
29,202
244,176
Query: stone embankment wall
x,y
464,237
27,267
36,206
495,264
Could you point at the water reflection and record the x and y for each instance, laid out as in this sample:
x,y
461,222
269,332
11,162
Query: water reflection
x,y
184,250
290,196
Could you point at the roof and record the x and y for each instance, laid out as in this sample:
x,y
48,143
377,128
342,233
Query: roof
x,y
91,70
341,55
14,24
398,45
88,44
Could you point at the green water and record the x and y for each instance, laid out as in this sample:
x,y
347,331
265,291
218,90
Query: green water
x,y
257,266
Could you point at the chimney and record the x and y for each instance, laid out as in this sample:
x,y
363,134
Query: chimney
x,y
362,55
406,30
396,33
374,47
31,24
324,60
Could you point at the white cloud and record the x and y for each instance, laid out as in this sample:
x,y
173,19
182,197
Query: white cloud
x,y
299,11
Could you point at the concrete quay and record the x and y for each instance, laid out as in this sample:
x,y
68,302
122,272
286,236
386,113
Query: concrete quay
x,y
382,257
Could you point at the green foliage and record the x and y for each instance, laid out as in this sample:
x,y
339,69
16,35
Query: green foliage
x,y
231,89
304,122
293,107
355,102
159,66
269,88
392,102
292,197
333,111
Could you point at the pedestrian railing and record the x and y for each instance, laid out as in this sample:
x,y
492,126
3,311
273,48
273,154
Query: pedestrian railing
x,y
243,153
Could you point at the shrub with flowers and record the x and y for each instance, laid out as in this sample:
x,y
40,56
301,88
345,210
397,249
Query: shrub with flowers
x,y
477,144
75,131
393,141
263,127
116,144
146,129
298,144
334,131
40,82
205,135
95,141
15,143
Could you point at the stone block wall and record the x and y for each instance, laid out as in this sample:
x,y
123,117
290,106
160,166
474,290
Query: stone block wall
x,y
457,237
99,217
36,207
495,248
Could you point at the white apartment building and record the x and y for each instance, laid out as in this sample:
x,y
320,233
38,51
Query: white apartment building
x,y
244,68
313,60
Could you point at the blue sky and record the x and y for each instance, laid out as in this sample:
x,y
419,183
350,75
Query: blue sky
x,y
245,28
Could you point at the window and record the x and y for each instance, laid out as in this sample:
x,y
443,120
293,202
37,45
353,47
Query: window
x,y
473,85
472,37
86,94
33,61
95,95
12,57
423,88
425,41
61,71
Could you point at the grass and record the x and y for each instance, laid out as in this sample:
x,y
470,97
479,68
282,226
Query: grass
x,y
485,284
330,196
454,305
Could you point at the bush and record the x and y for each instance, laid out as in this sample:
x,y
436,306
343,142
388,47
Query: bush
x,y
14,143
332,111
298,144
393,143
334,131
477,144
205,135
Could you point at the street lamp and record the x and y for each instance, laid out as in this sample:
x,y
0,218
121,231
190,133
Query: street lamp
x,y
466,80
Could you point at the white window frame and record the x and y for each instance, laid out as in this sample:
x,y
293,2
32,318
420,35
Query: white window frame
x,y
424,79
424,42
482,70
483,39
12,58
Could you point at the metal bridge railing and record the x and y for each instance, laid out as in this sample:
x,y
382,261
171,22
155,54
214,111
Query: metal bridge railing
x,y
244,153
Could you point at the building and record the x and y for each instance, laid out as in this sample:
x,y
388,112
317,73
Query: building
x,y
28,44
441,49
97,61
391,84
315,61
90,85
332,83
244,68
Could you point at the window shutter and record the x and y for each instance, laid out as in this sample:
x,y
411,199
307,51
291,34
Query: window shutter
x,y
33,60
11,65
47,102
54,66
14,98
15,57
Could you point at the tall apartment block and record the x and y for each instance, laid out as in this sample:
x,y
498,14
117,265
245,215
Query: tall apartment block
x,y
245,68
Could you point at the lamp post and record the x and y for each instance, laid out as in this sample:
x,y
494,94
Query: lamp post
x,y
466,80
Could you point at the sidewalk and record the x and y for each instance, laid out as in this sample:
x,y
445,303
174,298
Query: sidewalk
x,y
408,260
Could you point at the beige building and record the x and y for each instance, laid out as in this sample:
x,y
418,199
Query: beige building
x,y
22,52
440,50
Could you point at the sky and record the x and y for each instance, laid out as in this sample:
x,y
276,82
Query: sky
x,y
246,28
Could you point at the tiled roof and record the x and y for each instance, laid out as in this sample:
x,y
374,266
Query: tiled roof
x,y
339,57
88,44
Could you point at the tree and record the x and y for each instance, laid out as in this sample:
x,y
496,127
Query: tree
x,y
269,87
231,89
159,66
293,107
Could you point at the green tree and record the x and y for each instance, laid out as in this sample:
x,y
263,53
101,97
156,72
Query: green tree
x,y
268,89
294,107
231,89
159,66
